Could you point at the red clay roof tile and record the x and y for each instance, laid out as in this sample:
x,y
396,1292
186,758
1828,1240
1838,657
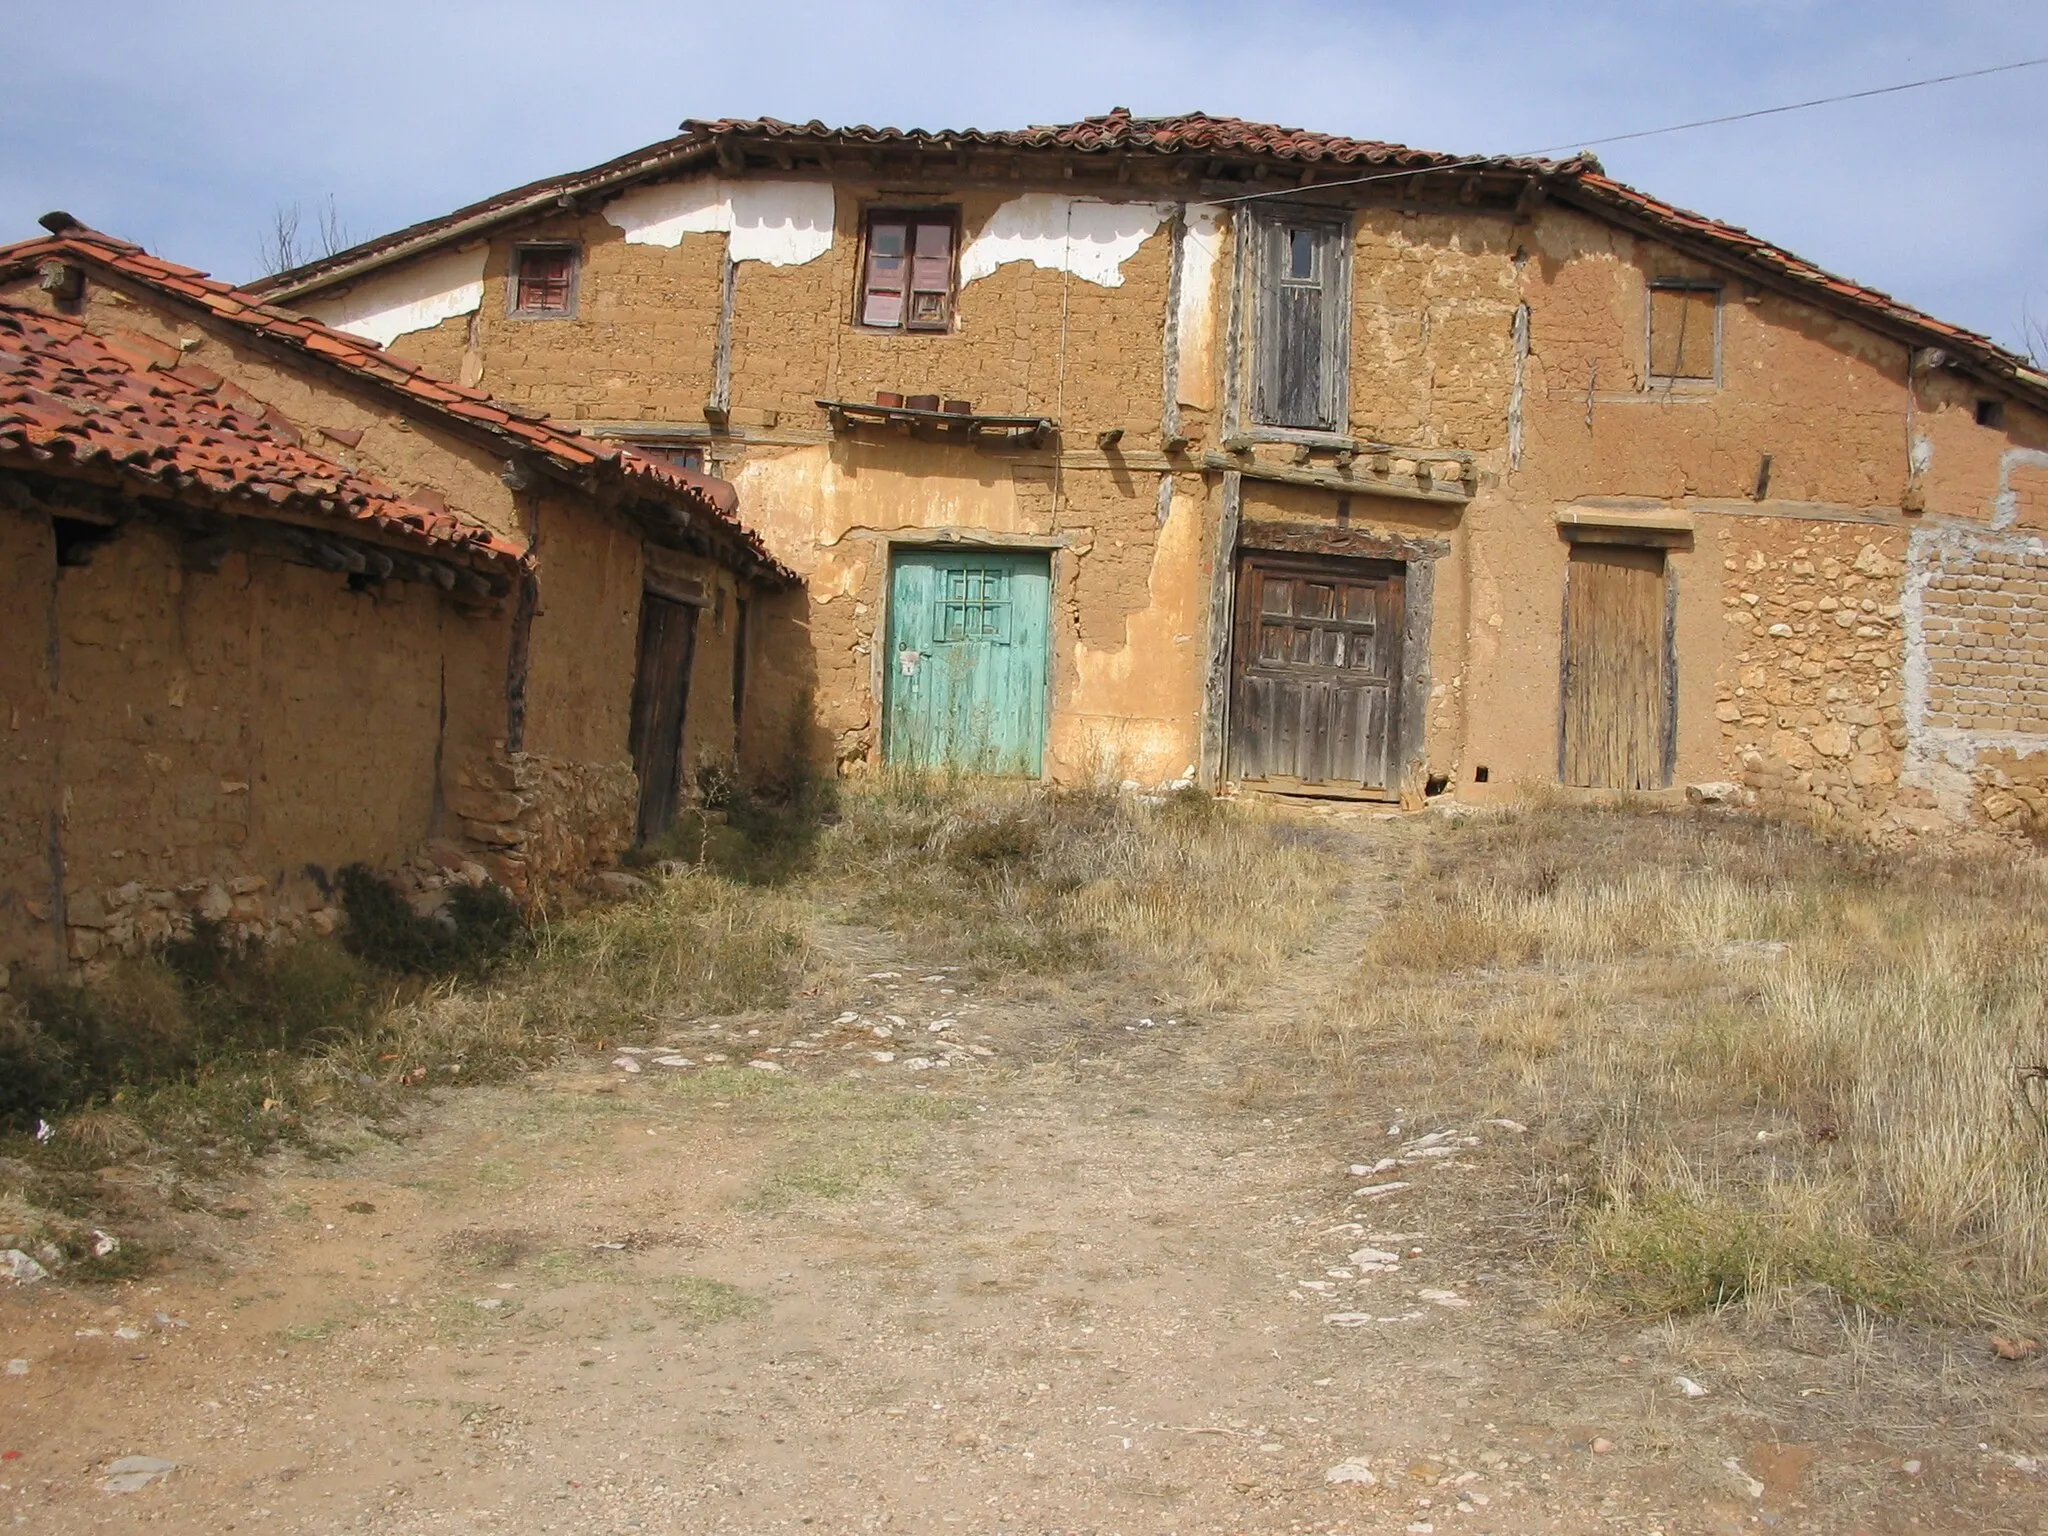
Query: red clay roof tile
x,y
70,399
1189,134
567,450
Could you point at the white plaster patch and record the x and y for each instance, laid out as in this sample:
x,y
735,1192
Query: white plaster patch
x,y
2005,510
1195,321
414,298
1089,239
781,223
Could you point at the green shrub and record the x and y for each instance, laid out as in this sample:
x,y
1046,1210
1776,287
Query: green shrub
x,y
475,930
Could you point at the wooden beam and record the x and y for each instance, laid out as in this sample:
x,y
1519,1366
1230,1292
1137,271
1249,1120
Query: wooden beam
x,y
1222,620
1443,492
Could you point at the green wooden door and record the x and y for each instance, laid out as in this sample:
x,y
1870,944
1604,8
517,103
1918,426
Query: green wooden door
x,y
966,662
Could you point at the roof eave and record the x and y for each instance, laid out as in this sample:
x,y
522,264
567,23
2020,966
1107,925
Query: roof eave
x,y
358,261
1979,356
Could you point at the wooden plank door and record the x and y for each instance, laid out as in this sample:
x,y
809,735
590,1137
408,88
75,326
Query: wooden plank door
x,y
661,696
1618,707
1317,674
966,663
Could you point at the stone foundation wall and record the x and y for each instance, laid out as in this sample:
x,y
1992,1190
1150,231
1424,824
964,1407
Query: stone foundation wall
x,y
1811,697
538,824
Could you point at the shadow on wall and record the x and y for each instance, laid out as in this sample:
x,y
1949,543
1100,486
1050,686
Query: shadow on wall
x,y
783,746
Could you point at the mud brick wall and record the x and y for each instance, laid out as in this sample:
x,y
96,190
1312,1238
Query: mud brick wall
x,y
1985,618
217,745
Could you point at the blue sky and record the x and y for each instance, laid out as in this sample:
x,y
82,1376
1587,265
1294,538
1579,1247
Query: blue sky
x,y
184,125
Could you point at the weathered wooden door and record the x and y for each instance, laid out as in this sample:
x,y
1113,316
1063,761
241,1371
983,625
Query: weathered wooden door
x,y
661,694
966,665
1317,664
1617,715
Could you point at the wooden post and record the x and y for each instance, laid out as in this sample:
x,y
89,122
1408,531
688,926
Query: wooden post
x,y
1169,413
719,406
1418,595
1222,620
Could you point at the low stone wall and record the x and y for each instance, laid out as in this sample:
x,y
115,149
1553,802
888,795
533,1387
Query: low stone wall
x,y
103,924
539,824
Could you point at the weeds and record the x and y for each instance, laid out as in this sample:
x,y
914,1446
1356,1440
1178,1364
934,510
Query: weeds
x,y
1198,898
204,1055
706,1302
1765,1062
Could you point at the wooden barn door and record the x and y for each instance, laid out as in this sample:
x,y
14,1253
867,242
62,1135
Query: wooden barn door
x,y
661,693
1317,674
1618,707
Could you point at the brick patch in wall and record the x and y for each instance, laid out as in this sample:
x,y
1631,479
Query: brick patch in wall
x,y
1976,675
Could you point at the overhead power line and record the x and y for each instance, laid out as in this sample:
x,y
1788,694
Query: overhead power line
x,y
1651,133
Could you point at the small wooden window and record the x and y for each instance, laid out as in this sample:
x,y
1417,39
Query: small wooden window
x,y
974,605
1990,413
907,278
1685,333
1301,363
544,280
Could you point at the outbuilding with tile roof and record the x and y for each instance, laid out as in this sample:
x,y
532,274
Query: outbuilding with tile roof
x,y
285,603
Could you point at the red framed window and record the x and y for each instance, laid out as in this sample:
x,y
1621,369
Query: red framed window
x,y
907,276
544,280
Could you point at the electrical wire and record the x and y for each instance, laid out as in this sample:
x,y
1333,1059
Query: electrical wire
x,y
1649,133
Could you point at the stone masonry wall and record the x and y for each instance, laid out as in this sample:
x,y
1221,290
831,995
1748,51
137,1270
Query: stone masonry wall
x,y
1811,696
538,823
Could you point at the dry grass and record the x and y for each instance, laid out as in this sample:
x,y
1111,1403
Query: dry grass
x,y
193,1062
1761,1062
1198,899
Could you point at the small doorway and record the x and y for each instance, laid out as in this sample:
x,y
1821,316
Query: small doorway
x,y
965,670
661,696
1617,727
1317,674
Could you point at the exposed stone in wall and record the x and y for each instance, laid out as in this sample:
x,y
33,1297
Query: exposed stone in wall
x,y
1810,697
541,823
2009,792
127,919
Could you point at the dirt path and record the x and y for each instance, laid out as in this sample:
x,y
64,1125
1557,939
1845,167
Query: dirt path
x,y
1070,1276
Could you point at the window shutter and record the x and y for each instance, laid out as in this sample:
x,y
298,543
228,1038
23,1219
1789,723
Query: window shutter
x,y
1300,313
1682,327
888,263
1334,372
544,281
931,279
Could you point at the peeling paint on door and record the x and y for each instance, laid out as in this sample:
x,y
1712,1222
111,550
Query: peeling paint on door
x,y
967,661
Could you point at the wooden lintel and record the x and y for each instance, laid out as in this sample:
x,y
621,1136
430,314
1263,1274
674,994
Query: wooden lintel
x,y
1443,492
1332,539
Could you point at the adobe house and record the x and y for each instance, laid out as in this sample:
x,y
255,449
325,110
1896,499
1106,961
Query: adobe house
x,y
279,603
1192,447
